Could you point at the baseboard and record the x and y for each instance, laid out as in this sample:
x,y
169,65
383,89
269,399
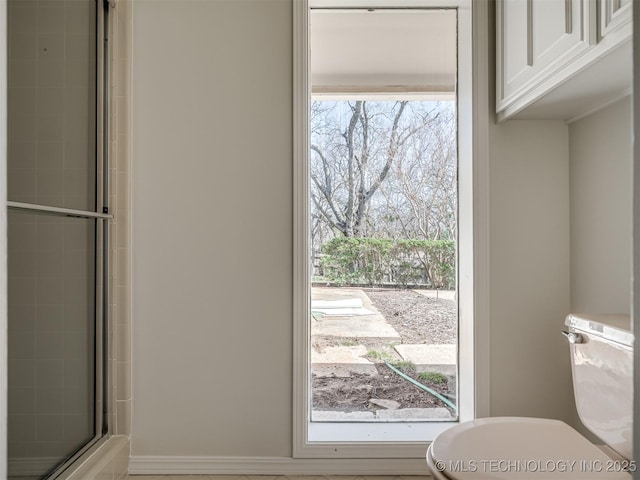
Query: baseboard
x,y
172,465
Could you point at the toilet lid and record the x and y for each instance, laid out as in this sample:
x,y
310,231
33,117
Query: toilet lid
x,y
518,448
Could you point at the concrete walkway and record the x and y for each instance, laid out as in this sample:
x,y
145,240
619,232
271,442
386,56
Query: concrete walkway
x,y
349,313
348,325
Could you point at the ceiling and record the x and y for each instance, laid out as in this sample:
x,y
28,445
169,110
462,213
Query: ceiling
x,y
383,51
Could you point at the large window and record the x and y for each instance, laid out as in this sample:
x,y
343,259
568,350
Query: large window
x,y
385,341
56,234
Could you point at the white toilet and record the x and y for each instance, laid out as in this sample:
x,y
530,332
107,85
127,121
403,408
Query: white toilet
x,y
532,448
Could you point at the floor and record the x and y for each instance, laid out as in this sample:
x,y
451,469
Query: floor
x,y
274,477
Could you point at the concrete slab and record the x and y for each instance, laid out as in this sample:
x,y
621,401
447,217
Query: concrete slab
x,y
440,413
372,325
402,414
353,354
342,370
443,294
428,354
330,416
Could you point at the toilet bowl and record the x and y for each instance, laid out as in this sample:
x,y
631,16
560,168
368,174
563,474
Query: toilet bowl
x,y
517,448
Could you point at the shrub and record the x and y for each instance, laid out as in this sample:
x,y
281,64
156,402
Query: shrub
x,y
376,261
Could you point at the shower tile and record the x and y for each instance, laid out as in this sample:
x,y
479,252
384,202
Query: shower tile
x,y
50,155
23,128
22,185
22,318
78,291
22,290
22,235
123,343
124,79
79,47
124,115
78,73
123,188
23,73
76,128
51,74
22,400
23,17
50,428
22,372
79,183
76,375
75,317
51,17
22,264
50,401
76,347
21,345
50,183
51,46
50,318
75,400
49,373
77,264
50,353
123,153
123,417
51,237
21,428
76,154
78,17
50,263
22,101
77,427
23,46
22,155
50,290
50,128
50,101
123,379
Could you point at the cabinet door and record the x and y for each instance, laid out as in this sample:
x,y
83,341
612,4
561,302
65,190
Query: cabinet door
x,y
613,15
535,39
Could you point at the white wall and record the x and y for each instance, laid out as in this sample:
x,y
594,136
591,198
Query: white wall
x,y
601,180
212,223
212,189
529,236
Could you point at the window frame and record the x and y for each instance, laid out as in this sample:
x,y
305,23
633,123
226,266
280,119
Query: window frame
x,y
401,440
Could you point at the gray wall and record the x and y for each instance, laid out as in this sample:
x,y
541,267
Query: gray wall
x,y
601,180
212,231
212,227
529,241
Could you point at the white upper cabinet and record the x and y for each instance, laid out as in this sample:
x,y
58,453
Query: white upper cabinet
x,y
546,47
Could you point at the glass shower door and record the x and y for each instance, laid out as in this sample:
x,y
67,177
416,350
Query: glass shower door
x,y
56,227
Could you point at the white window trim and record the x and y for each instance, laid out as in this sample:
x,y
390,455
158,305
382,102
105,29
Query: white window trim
x,y
401,440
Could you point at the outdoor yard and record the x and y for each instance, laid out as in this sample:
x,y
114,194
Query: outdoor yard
x,y
361,339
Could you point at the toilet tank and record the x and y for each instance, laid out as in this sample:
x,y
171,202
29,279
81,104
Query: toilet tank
x,y
602,369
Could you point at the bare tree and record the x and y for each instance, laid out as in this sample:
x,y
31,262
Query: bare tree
x,y
355,148
383,168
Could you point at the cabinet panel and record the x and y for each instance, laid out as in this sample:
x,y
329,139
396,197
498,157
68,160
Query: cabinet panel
x,y
536,38
613,15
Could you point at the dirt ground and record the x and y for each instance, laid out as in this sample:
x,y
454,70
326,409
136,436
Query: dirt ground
x,y
418,319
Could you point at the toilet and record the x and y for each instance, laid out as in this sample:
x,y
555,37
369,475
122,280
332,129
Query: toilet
x,y
534,448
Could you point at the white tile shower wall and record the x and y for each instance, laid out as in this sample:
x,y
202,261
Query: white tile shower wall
x,y
120,195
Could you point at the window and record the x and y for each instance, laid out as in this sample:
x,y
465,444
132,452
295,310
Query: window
x,y
332,437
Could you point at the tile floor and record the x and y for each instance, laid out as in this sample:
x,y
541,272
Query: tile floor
x,y
275,477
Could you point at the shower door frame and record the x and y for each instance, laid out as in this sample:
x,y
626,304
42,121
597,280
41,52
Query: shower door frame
x,y
101,216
